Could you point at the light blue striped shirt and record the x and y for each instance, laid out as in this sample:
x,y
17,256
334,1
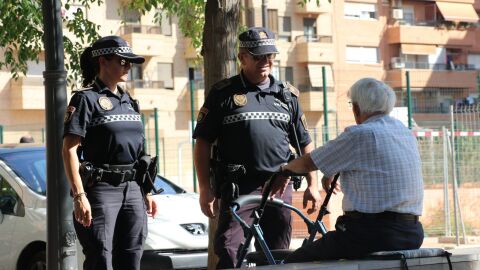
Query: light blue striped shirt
x,y
379,164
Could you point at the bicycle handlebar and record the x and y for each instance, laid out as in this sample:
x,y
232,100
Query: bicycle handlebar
x,y
254,199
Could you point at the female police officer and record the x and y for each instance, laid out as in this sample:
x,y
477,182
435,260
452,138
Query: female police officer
x,y
109,209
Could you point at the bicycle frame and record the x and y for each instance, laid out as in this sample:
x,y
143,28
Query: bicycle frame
x,y
254,230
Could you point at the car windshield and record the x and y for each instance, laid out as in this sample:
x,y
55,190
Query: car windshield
x,y
168,187
31,167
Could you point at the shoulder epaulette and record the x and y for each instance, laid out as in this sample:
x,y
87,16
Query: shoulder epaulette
x,y
222,84
81,90
293,89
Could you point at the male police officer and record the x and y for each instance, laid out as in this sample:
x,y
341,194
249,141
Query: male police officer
x,y
254,118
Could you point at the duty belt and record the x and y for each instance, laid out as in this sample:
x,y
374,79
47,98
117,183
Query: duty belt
x,y
114,174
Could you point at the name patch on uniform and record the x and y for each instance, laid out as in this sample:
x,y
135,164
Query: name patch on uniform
x,y
105,103
68,114
202,114
304,122
240,99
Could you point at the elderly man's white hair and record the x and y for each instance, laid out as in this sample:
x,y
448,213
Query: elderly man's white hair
x,y
372,95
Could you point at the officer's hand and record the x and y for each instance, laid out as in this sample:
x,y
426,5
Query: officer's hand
x,y
151,205
279,185
82,210
326,182
207,200
311,194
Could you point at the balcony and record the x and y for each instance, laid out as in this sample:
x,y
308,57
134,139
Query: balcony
x,y
27,93
439,77
146,39
311,7
314,49
313,100
431,33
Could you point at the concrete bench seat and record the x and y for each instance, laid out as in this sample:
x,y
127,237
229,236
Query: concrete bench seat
x,y
461,259
404,255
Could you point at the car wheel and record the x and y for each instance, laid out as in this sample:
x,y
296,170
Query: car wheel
x,y
37,262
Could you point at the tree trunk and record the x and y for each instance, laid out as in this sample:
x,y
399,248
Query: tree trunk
x,y
219,58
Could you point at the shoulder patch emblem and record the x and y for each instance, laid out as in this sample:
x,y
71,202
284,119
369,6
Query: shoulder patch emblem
x,y
304,122
105,103
68,114
202,114
240,99
293,89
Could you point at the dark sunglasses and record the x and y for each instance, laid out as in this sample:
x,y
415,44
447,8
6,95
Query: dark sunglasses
x,y
257,58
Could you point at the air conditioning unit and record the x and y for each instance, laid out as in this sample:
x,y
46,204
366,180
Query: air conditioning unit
x,y
397,62
397,13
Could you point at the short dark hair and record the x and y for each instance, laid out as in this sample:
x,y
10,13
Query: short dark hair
x,y
27,139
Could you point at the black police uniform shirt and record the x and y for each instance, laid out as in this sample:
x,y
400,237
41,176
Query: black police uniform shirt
x,y
111,129
251,125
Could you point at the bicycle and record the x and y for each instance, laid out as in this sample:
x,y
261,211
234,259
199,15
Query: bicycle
x,y
254,230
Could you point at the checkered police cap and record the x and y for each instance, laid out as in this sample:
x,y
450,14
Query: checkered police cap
x,y
258,41
115,45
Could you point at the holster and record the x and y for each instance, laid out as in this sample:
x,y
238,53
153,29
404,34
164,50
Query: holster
x,y
225,179
86,171
146,173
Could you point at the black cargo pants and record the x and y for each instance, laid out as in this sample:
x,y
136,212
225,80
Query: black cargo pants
x,y
119,227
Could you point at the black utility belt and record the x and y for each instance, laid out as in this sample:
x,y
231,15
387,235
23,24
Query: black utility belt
x,y
112,174
387,215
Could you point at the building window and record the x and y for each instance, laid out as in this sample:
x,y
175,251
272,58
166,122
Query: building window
x,y
285,28
165,75
282,73
310,28
474,61
362,55
286,74
360,11
165,22
131,16
273,20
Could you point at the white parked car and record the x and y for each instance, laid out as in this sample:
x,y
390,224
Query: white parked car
x,y
177,236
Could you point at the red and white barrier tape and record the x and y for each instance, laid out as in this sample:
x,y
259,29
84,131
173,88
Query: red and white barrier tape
x,y
439,133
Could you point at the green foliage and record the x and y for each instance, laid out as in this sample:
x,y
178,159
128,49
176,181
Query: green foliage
x,y
21,22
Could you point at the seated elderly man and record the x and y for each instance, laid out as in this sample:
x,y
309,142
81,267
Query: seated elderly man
x,y
380,170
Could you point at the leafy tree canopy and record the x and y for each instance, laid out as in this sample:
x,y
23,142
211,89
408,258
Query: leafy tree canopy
x,y
22,25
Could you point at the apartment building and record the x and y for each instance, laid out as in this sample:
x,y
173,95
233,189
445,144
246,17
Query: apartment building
x,y
434,40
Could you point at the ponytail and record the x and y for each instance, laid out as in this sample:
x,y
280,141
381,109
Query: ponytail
x,y
89,67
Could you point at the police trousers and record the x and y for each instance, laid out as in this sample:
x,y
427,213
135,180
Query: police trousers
x,y
116,236
355,238
275,223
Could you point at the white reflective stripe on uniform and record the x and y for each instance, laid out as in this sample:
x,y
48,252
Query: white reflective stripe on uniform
x,y
115,118
255,116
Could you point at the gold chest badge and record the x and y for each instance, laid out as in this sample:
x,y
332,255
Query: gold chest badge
x,y
240,99
105,103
